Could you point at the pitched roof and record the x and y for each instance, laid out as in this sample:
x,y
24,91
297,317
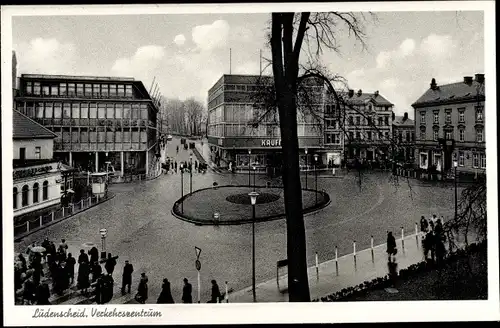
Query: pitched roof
x,y
451,92
24,127
365,98
399,120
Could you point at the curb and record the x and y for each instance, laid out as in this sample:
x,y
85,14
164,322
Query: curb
x,y
26,234
305,212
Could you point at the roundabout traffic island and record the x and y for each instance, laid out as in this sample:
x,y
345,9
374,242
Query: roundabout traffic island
x,y
231,205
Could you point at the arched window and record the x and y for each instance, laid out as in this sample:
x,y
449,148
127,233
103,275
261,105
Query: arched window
x,y
45,190
35,192
24,196
14,199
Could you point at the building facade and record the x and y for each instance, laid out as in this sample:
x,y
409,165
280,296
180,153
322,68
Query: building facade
x,y
368,125
240,132
359,128
96,120
403,135
37,175
450,126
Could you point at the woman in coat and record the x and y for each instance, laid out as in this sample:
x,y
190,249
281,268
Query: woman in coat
x,y
142,290
391,245
83,277
166,294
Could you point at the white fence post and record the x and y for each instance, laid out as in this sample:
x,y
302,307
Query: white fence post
x,y
354,248
227,294
336,254
41,220
52,219
371,243
317,265
63,211
27,226
402,233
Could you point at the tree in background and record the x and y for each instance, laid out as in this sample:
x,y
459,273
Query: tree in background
x,y
185,117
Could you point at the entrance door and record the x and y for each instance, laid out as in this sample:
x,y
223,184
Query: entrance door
x,y
369,155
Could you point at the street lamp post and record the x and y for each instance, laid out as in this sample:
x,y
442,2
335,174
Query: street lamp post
x,y
455,164
254,172
253,199
306,166
316,176
249,152
191,173
103,233
182,188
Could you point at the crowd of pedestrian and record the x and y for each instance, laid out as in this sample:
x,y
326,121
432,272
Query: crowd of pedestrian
x,y
434,238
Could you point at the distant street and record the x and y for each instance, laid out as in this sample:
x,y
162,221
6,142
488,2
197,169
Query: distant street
x,y
142,229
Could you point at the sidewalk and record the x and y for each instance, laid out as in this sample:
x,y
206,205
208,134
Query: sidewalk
x,y
336,275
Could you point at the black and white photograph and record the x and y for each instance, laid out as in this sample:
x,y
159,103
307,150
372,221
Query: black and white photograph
x,y
249,163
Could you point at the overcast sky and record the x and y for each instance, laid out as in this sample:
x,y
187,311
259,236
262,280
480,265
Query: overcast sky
x,y
188,53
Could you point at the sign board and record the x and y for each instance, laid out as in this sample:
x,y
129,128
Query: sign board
x,y
198,252
198,265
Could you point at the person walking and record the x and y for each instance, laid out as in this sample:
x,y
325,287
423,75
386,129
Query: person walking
x,y
142,290
127,277
83,257
43,294
391,246
70,268
423,224
187,290
215,293
29,291
63,246
37,267
83,276
96,271
110,264
94,254
46,245
166,294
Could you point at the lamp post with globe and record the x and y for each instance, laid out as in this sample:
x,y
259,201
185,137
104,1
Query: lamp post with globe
x,y
253,199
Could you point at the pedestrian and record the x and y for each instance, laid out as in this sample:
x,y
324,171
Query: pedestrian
x,y
110,264
52,249
142,290
46,245
175,164
431,225
429,245
98,287
63,246
37,267
29,291
105,283
24,265
439,248
127,277
83,276
96,271
423,224
215,297
166,294
61,255
196,165
94,254
70,268
83,257
64,277
391,246
186,292
43,294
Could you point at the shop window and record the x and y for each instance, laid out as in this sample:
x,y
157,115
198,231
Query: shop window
x,y
45,190
35,193
24,196
423,161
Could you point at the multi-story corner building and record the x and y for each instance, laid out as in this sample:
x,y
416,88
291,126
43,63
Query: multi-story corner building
x,y
403,136
367,125
96,119
236,137
38,177
450,126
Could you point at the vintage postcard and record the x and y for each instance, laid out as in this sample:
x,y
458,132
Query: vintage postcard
x,y
249,163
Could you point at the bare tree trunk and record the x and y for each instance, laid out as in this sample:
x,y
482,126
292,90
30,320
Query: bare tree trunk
x,y
285,85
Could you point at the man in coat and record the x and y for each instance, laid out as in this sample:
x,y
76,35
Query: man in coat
x,y
70,268
127,277
110,264
83,257
215,293
142,290
166,294
186,292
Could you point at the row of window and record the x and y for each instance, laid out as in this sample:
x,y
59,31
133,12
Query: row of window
x,y
35,191
410,136
449,134
447,117
478,160
85,136
360,120
84,110
78,89
36,155
368,136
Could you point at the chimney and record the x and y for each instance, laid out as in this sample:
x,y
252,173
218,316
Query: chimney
x,y
375,94
351,93
360,93
405,116
468,80
433,84
480,78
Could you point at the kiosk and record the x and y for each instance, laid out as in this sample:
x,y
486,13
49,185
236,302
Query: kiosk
x,y
99,182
